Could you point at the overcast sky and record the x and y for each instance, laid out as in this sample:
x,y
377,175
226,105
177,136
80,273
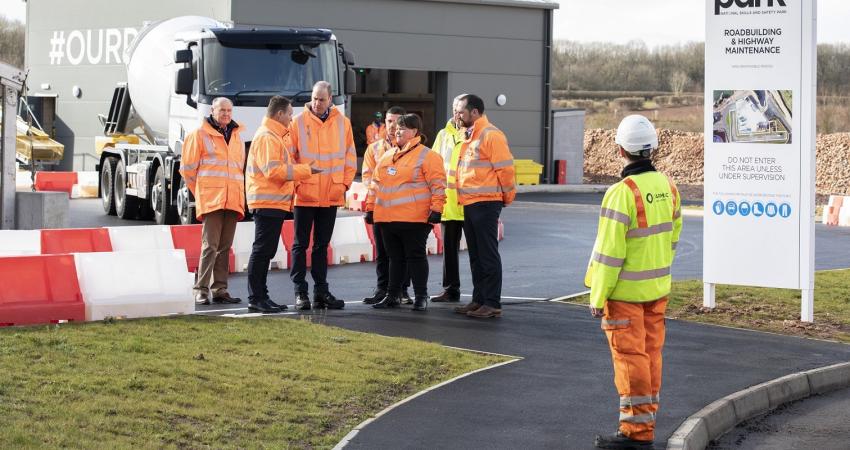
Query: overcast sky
x,y
656,22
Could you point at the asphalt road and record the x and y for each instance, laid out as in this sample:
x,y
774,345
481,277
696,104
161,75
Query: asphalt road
x,y
561,393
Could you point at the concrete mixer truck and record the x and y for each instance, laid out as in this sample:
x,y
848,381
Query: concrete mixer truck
x,y
175,69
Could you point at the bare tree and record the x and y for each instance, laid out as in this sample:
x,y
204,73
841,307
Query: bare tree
x,y
12,42
678,81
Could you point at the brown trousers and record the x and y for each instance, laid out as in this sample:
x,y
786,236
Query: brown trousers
x,y
217,238
635,334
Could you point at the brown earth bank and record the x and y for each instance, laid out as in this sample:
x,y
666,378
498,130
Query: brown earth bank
x,y
680,155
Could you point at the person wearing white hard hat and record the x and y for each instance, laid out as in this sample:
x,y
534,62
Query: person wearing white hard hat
x,y
629,279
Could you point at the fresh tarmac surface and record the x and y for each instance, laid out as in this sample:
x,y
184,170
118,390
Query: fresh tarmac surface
x,y
561,393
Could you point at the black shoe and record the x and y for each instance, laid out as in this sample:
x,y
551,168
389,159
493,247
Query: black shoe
x,y
620,441
281,306
225,297
421,303
326,300
263,306
302,301
376,297
390,301
446,296
405,298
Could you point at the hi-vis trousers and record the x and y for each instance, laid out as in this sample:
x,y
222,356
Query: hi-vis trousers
x,y
635,334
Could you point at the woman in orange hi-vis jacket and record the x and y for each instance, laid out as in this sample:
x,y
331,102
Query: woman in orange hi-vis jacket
x,y
406,197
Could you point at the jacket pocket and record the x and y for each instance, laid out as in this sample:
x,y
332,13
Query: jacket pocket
x,y
308,190
212,193
337,189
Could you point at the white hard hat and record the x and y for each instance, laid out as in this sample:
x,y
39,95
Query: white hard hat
x,y
637,135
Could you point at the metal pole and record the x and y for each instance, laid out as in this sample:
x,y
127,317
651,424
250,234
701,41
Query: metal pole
x,y
11,81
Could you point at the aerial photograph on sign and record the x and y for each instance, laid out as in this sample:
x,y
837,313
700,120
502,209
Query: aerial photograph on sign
x,y
752,116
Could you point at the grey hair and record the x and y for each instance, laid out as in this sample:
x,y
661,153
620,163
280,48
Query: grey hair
x,y
219,100
324,85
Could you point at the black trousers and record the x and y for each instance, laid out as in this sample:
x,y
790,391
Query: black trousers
x,y
266,239
321,220
382,266
452,232
481,226
405,243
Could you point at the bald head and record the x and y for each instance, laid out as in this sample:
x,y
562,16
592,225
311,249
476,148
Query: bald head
x,y
321,98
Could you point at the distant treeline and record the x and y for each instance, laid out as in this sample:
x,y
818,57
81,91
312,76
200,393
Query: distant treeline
x,y
12,42
677,68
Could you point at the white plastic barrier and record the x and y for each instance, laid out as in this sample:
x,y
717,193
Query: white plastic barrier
x,y
135,284
350,241
355,197
432,247
20,242
844,213
243,241
86,186
140,238
23,181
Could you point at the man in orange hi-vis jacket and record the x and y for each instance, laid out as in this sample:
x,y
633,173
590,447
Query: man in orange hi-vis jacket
x,y
485,184
376,130
212,165
321,136
270,185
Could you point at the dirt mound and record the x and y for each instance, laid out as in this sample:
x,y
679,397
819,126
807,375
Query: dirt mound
x,y
680,155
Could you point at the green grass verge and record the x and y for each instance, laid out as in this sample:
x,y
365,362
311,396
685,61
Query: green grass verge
x,y
206,382
764,309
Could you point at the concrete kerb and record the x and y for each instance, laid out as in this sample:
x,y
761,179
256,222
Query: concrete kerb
x,y
711,422
562,189
350,436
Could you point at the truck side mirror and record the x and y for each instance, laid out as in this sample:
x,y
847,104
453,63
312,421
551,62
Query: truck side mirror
x,y
348,57
350,81
183,56
184,80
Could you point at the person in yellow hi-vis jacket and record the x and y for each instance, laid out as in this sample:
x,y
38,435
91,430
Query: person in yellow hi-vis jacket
x,y
629,279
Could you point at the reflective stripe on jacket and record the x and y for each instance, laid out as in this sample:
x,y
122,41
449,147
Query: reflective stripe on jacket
x,y
270,171
375,133
639,226
486,167
213,170
371,157
407,185
331,145
448,144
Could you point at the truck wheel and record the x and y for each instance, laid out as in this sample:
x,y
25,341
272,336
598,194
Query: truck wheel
x,y
126,206
184,205
163,212
107,187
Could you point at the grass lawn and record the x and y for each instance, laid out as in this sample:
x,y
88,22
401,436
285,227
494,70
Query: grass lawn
x,y
206,382
774,310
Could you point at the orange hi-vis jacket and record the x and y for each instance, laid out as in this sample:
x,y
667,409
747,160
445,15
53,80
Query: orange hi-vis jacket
x,y
213,170
371,157
407,185
486,168
375,133
270,170
331,145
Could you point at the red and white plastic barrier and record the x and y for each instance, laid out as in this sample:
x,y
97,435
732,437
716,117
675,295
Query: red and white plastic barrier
x,y
75,184
355,196
837,211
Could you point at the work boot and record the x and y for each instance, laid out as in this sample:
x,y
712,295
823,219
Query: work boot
x,y
264,306
280,306
326,300
471,306
202,298
302,301
446,296
390,301
405,298
621,442
224,297
485,312
421,303
377,296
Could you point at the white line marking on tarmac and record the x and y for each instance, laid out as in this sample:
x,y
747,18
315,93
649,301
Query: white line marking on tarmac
x,y
353,433
569,297
512,298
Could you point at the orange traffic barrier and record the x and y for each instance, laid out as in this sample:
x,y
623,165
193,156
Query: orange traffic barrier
x,y
55,181
188,238
81,240
39,289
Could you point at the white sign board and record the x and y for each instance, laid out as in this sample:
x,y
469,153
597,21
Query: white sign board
x,y
760,76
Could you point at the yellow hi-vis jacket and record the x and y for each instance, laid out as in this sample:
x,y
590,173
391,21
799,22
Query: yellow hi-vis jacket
x,y
639,226
448,143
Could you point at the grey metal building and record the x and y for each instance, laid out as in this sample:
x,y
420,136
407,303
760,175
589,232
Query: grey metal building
x,y
416,53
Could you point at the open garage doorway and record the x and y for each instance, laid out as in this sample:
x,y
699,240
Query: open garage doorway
x,y
419,92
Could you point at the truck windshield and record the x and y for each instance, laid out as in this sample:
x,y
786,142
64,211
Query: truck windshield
x,y
230,71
